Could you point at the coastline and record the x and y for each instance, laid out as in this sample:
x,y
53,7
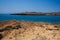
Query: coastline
x,y
38,13
29,30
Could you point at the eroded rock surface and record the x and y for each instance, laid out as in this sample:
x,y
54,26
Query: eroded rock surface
x,y
22,30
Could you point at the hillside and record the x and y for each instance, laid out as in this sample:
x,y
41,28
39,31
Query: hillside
x,y
38,13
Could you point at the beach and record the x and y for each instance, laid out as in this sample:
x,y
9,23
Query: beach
x,y
26,30
29,19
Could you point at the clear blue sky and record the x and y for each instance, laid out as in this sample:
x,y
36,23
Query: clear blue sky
x,y
12,6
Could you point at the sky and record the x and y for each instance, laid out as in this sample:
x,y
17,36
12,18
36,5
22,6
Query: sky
x,y
15,6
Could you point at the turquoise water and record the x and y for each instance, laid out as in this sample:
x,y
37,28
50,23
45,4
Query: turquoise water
x,y
51,19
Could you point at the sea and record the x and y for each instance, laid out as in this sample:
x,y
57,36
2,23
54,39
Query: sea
x,y
33,18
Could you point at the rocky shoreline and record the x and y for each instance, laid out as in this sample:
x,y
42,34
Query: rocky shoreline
x,y
38,13
24,30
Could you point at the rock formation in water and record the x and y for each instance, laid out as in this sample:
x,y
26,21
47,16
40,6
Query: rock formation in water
x,y
38,13
24,30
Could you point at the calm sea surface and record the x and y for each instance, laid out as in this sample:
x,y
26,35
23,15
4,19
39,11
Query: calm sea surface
x,y
51,19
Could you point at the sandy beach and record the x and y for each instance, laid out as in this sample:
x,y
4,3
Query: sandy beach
x,y
25,30
29,19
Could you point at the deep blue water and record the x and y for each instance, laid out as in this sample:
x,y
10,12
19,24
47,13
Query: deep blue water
x,y
51,19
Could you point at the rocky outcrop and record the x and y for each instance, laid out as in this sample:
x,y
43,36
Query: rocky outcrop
x,y
23,30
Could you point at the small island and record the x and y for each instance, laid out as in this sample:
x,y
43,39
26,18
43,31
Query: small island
x,y
38,13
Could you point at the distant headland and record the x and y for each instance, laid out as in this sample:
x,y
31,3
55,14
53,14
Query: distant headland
x,y
38,13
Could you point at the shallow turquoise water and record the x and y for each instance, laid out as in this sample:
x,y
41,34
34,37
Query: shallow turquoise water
x,y
51,19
